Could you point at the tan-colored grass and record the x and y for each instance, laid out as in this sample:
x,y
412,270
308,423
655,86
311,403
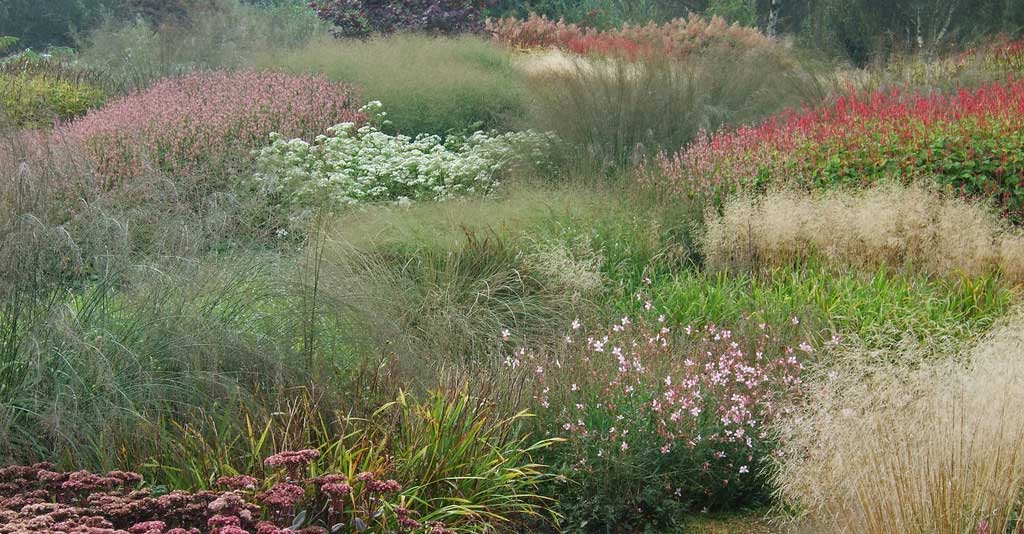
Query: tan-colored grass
x,y
558,62
617,111
893,226
886,446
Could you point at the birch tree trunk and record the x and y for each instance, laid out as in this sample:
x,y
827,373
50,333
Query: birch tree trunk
x,y
773,17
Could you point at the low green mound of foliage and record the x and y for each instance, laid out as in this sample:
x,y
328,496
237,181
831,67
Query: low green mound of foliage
x,y
29,100
431,85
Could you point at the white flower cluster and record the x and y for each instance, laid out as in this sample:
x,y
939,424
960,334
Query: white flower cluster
x,y
353,165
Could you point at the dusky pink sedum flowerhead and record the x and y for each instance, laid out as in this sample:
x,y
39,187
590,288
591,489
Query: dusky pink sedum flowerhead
x,y
86,481
207,120
336,489
34,499
239,482
438,527
227,503
407,518
292,461
221,521
292,458
283,495
384,486
148,527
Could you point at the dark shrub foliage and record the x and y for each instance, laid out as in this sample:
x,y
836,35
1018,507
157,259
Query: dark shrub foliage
x,y
159,10
359,18
42,23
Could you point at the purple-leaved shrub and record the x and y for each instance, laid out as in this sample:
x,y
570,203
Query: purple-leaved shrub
x,y
360,18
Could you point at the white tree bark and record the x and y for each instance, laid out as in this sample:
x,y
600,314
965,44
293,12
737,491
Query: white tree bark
x,y
773,17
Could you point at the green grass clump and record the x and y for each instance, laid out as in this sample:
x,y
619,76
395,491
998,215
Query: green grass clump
x,y
442,280
617,112
96,376
882,308
428,84
594,13
225,34
458,458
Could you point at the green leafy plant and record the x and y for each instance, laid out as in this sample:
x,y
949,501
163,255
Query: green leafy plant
x,y
460,459
881,307
6,42
470,463
37,100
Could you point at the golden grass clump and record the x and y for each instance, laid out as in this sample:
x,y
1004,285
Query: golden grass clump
x,y
888,226
885,445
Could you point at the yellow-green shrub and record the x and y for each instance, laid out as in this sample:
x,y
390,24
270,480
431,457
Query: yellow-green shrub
x,y
36,100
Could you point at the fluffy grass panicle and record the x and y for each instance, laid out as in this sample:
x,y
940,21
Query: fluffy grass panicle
x,y
619,112
888,226
885,444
